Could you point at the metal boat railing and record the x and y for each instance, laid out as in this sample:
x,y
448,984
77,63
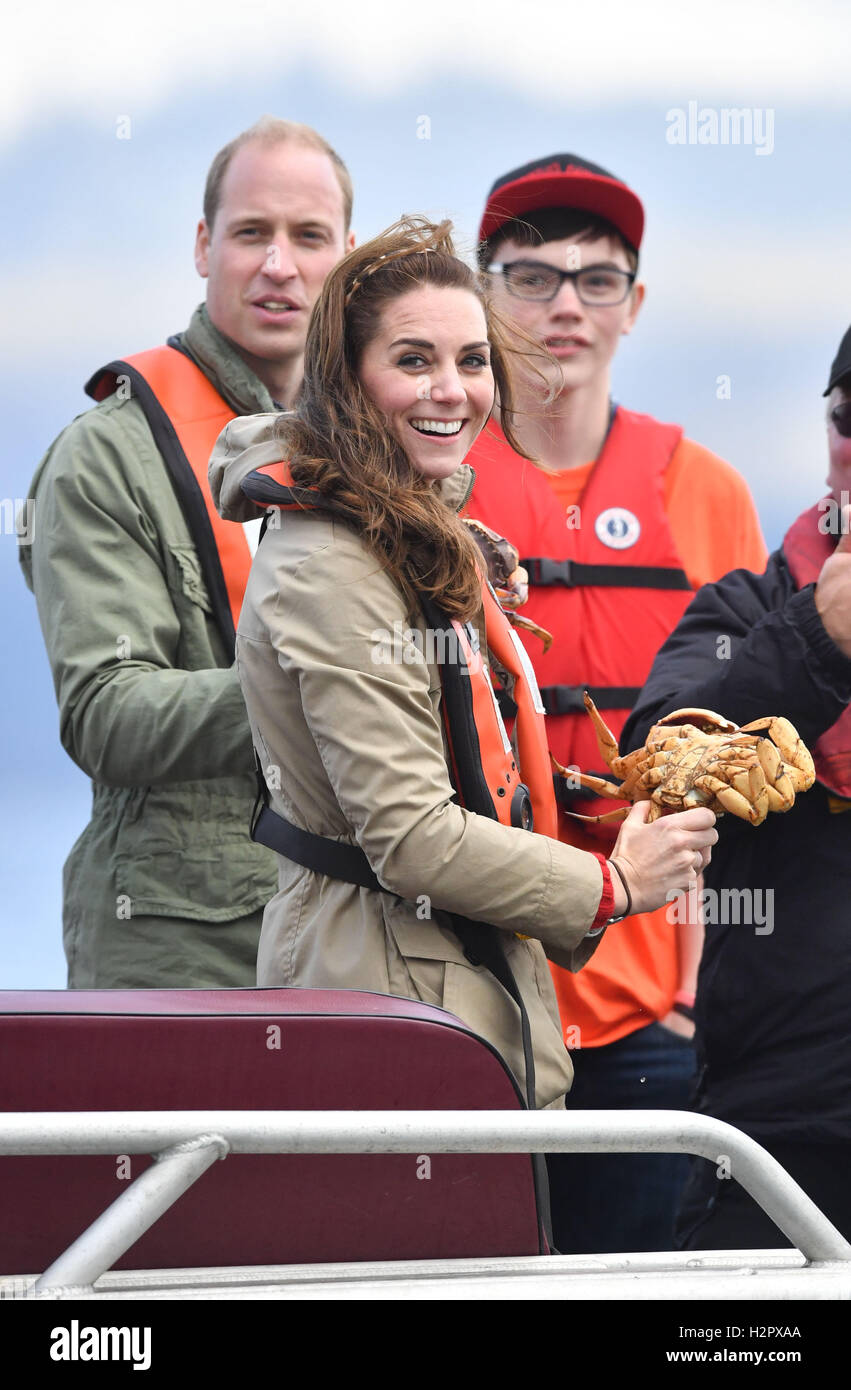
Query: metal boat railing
x,y
186,1143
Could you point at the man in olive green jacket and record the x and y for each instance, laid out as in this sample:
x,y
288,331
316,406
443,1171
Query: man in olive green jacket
x,y
164,888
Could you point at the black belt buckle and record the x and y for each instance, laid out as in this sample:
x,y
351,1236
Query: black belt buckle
x,y
563,699
549,573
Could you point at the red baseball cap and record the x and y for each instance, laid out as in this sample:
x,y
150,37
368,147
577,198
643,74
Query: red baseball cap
x,y
564,181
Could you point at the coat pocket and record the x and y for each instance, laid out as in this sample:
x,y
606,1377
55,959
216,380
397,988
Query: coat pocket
x,y
431,957
184,851
475,996
420,951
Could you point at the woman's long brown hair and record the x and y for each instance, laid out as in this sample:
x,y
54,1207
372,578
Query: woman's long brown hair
x,y
339,442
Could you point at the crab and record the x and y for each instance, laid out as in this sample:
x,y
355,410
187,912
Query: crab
x,y
695,757
509,579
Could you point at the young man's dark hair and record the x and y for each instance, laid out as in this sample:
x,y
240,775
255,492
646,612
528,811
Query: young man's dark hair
x,y
552,224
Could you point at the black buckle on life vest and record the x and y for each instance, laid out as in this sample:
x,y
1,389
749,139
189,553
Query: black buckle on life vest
x,y
547,573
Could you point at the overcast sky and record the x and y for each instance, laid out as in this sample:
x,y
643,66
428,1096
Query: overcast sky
x,y
89,60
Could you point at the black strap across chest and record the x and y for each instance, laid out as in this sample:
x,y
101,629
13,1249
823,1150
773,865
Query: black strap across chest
x,y
573,574
567,699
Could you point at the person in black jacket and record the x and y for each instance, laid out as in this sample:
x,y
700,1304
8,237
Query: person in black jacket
x,y
773,1005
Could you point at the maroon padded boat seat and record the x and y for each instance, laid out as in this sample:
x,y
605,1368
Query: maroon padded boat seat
x,y
269,1049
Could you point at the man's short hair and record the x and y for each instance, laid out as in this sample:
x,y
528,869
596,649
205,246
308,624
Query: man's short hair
x,y
269,130
553,224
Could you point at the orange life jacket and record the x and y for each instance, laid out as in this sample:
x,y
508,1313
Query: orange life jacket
x,y
806,548
609,567
610,610
186,415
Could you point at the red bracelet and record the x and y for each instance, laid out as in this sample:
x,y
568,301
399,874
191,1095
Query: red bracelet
x,y
607,901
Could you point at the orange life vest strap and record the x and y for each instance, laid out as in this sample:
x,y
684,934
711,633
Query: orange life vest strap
x,y
186,415
502,778
530,729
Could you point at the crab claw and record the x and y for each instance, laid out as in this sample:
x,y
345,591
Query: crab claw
x,y
606,741
796,757
515,591
528,626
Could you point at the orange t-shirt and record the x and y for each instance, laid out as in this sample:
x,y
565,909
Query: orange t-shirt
x,y
632,977
709,506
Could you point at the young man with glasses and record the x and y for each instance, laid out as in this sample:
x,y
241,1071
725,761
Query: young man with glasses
x,y
618,521
774,1002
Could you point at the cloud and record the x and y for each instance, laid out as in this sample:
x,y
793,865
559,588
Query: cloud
x,y
753,281
89,320
95,62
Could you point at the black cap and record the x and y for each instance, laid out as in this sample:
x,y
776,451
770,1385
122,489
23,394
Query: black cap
x,y
564,180
841,363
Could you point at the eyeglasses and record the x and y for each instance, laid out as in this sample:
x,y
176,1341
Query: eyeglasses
x,y
841,417
595,284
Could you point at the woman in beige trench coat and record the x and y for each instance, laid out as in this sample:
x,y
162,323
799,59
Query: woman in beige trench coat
x,y
403,358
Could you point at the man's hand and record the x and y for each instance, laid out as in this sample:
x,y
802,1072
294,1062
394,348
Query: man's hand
x,y
833,590
678,1023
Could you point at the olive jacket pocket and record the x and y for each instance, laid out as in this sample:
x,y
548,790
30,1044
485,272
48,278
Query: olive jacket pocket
x,y
185,851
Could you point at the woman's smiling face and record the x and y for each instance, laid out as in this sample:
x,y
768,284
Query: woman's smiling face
x,y
428,371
